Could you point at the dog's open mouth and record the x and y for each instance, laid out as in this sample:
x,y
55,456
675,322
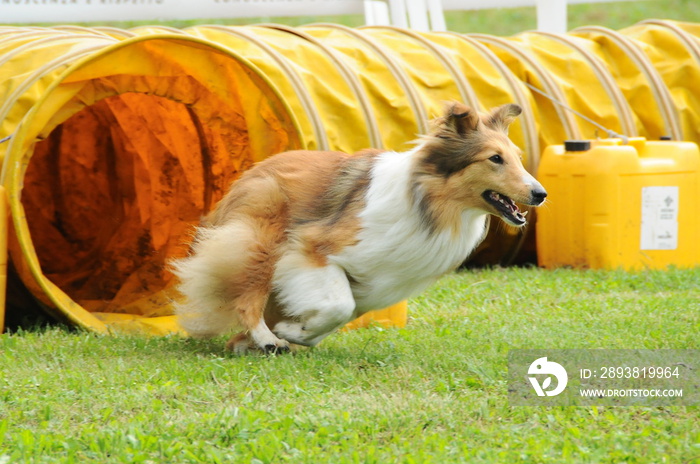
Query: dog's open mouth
x,y
507,207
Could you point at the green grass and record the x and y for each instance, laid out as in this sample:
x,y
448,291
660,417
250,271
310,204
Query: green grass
x,y
434,392
499,21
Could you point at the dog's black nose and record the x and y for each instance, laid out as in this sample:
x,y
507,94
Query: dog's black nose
x,y
537,195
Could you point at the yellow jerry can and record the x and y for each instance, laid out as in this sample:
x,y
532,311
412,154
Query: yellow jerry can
x,y
613,204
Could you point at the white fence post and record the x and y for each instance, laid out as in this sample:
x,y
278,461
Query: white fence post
x,y
551,16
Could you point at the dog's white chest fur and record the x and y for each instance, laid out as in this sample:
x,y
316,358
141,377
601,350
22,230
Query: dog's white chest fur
x,y
397,255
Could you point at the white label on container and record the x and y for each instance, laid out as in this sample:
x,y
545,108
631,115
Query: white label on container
x,y
659,218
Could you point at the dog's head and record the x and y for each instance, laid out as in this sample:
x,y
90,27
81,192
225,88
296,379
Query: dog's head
x,y
468,161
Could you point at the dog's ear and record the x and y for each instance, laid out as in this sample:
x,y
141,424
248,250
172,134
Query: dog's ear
x,y
502,116
458,120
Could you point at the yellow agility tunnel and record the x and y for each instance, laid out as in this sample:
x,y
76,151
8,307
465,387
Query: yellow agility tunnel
x,y
120,151
114,142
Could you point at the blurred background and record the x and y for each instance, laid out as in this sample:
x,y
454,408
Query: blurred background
x,y
497,21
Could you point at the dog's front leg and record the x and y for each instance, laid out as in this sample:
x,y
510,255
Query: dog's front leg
x,y
317,300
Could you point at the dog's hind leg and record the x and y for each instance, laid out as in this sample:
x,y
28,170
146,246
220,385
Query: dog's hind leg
x,y
250,307
252,290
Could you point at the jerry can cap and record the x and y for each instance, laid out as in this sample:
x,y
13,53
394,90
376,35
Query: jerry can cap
x,y
577,145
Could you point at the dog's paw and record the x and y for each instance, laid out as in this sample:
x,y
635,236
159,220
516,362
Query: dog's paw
x,y
299,333
293,331
274,349
267,342
242,344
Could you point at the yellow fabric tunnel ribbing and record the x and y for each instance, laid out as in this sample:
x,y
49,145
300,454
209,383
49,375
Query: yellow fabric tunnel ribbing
x,y
640,83
674,50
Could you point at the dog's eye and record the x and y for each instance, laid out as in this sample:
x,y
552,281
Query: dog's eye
x,y
496,159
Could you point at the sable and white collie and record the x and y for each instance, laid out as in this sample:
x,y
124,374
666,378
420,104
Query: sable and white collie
x,y
308,240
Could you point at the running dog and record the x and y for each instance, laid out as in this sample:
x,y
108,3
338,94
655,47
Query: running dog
x,y
306,241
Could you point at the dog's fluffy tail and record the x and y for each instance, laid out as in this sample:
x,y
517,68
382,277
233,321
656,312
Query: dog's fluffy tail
x,y
208,277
